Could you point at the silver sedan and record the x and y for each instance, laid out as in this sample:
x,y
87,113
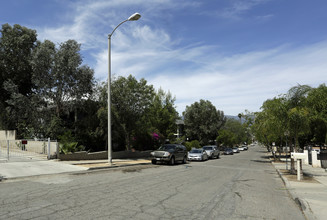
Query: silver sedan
x,y
197,154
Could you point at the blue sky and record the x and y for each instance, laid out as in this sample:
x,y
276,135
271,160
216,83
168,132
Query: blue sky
x,y
234,53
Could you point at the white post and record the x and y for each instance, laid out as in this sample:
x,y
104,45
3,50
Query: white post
x,y
315,161
57,149
298,170
48,148
8,149
306,160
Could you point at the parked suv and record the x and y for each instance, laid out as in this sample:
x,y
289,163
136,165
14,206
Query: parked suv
x,y
170,153
212,151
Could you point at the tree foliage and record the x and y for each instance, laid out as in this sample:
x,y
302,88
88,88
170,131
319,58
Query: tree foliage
x,y
299,115
16,46
202,121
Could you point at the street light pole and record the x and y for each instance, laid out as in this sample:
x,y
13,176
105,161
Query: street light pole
x,y
133,17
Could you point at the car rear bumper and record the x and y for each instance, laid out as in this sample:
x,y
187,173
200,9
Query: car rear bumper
x,y
194,158
165,159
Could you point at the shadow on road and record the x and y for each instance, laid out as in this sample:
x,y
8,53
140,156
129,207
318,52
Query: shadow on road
x,y
260,161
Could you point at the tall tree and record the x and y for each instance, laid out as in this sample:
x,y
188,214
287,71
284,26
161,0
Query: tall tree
x,y
202,121
162,113
16,46
237,129
298,113
317,105
131,99
67,84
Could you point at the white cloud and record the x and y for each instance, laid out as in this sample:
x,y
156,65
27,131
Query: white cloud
x,y
248,80
240,7
191,72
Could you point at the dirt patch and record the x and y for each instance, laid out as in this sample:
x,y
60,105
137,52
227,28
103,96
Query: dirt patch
x,y
114,164
89,165
137,168
293,177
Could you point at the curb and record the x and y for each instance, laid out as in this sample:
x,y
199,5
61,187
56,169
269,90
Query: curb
x,y
115,166
90,169
303,205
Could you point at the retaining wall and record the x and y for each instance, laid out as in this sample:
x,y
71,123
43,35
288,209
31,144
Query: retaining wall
x,y
8,135
103,155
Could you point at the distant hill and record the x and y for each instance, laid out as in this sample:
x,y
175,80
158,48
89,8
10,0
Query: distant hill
x,y
232,117
235,118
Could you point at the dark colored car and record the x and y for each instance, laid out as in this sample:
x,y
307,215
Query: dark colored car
x,y
170,153
228,151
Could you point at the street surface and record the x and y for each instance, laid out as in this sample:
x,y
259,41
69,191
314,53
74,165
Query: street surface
x,y
239,186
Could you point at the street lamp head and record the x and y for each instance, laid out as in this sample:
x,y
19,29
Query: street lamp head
x,y
134,17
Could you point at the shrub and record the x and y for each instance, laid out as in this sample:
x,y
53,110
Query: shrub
x,y
192,144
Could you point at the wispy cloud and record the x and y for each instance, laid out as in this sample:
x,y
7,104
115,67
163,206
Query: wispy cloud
x,y
248,79
190,72
240,7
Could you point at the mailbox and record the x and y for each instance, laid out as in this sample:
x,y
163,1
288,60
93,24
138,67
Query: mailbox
x,y
298,155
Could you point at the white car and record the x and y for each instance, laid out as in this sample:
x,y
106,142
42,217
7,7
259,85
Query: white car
x,y
241,148
235,150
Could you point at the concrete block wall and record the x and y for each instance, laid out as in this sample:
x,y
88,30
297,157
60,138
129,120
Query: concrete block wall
x,y
8,135
41,147
103,155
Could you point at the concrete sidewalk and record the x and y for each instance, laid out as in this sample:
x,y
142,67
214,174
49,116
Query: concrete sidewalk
x,y
310,193
20,169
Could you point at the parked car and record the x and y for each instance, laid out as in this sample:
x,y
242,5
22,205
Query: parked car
x,y
235,150
228,151
170,153
212,151
241,148
197,154
245,147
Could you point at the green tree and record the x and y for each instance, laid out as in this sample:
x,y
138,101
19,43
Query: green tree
x,y
202,121
298,113
162,114
226,138
68,84
131,99
16,46
317,105
235,127
66,80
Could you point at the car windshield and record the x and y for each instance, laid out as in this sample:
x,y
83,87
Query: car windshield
x,y
195,151
207,148
166,147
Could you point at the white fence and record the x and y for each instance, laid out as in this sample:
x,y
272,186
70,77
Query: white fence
x,y
40,149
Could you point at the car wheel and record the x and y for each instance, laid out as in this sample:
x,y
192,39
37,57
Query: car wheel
x,y
154,162
184,159
172,161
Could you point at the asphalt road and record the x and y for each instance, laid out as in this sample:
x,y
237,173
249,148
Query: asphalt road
x,y
239,186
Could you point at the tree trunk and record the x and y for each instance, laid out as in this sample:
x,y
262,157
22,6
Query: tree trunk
x,y
292,171
280,146
128,142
